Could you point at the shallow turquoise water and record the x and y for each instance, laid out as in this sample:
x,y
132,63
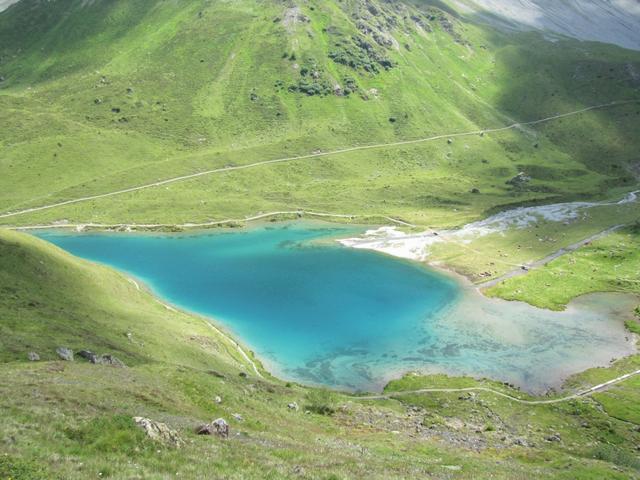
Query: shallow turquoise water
x,y
321,313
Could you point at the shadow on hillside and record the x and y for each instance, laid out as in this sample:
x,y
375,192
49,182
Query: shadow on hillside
x,y
538,78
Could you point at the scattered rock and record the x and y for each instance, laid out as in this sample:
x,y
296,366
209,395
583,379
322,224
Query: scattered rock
x,y
110,360
519,180
467,396
521,442
450,141
218,427
217,399
100,359
159,432
244,374
205,429
87,355
475,190
33,356
238,417
392,119
293,406
97,101
65,354
298,470
221,427
553,438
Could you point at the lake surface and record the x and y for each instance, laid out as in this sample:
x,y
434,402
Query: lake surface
x,y
320,313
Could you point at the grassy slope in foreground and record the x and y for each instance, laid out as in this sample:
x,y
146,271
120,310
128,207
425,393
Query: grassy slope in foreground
x,y
100,96
73,419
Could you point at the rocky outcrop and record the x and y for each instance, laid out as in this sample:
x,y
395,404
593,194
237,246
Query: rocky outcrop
x,y
65,354
106,359
159,432
218,427
87,355
520,180
110,360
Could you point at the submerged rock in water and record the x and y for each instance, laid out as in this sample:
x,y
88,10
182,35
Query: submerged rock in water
x,y
159,432
65,354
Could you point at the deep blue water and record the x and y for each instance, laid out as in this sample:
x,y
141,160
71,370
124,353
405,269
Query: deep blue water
x,y
321,313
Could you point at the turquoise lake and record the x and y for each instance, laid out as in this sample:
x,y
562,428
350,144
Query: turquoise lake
x,y
319,313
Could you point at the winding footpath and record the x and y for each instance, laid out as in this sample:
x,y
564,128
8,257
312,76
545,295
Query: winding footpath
x,y
580,394
310,156
262,216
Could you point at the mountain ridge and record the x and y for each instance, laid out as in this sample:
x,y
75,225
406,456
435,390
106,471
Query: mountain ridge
x,y
613,21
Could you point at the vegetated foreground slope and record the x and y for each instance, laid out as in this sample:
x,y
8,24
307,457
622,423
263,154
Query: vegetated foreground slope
x,y
101,96
74,419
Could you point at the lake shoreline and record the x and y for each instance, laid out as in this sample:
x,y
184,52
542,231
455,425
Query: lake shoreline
x,y
262,365
274,368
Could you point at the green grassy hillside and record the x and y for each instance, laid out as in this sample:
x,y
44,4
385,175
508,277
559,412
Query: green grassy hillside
x,y
98,96
74,419
104,95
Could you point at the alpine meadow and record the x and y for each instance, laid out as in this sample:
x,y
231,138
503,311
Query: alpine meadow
x,y
304,239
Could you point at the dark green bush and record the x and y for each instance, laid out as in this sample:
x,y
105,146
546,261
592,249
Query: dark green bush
x,y
617,456
321,401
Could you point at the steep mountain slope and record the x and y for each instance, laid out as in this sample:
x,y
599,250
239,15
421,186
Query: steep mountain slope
x,y
608,21
102,96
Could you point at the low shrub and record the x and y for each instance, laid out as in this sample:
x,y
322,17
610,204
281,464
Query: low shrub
x,y
321,401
